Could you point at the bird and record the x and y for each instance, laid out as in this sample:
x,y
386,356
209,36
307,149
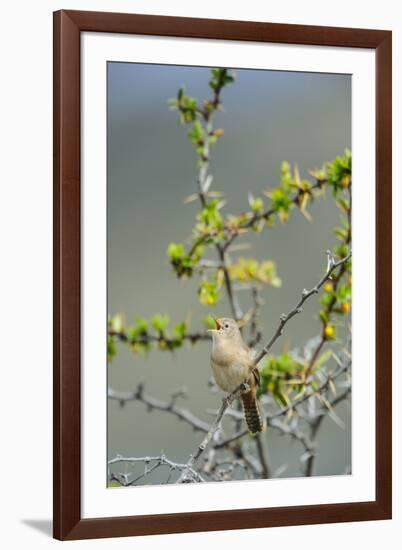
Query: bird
x,y
232,363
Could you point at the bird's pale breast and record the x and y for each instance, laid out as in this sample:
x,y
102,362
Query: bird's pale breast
x,y
229,377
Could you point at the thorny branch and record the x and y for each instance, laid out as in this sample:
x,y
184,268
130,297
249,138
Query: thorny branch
x,y
213,468
255,330
151,463
335,282
282,412
169,343
257,217
222,468
306,294
204,179
227,401
187,474
315,425
152,403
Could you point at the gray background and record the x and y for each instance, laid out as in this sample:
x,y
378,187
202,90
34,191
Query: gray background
x,y
268,117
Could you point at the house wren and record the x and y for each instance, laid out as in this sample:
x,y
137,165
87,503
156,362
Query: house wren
x,y
232,363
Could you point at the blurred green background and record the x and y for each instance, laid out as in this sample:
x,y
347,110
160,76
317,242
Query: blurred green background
x,y
268,117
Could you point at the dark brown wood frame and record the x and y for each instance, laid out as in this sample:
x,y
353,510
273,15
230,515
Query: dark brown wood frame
x,y
68,26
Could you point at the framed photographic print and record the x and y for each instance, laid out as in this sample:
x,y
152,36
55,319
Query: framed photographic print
x,y
222,354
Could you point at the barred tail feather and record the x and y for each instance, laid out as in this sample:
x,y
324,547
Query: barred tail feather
x,y
252,412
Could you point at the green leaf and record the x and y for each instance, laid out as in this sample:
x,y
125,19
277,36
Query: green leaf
x,y
209,322
111,348
323,316
324,357
176,251
140,328
180,330
256,204
339,172
281,398
280,200
196,133
160,322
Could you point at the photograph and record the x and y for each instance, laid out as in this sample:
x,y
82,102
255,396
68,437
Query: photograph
x,y
202,299
229,274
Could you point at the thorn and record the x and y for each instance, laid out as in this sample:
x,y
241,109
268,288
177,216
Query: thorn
x,y
330,260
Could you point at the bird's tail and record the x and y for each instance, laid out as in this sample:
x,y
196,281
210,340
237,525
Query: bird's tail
x,y
252,412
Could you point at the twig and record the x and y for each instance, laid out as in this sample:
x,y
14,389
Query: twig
x,y
255,331
202,180
335,284
160,460
218,472
165,406
255,218
226,402
306,294
331,266
262,456
294,433
147,338
315,426
292,406
233,301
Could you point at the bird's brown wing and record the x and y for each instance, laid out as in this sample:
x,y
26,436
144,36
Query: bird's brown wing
x,y
256,375
253,369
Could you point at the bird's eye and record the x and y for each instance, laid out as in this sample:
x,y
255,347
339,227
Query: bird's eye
x,y
226,325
